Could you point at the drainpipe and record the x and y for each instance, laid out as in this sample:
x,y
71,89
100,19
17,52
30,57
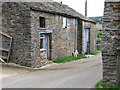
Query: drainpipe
x,y
75,45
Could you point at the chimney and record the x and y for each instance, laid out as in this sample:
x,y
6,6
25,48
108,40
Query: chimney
x,y
86,8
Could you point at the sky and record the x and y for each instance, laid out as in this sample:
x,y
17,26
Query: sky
x,y
95,7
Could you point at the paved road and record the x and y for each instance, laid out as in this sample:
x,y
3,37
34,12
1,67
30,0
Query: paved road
x,y
77,74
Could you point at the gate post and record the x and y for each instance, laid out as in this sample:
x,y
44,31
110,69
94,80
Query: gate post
x,y
111,42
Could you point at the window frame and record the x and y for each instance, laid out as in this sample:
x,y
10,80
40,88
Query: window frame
x,y
75,22
42,37
42,23
64,22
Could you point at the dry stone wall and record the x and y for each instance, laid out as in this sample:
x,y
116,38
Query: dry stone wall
x,y
0,25
16,23
111,40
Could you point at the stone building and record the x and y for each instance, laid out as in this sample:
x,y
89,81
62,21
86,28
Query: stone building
x,y
111,42
99,22
44,31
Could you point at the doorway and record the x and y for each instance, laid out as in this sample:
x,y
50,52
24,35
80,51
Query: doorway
x,y
47,45
86,40
45,41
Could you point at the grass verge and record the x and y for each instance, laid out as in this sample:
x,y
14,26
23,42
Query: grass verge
x,y
70,58
95,52
100,86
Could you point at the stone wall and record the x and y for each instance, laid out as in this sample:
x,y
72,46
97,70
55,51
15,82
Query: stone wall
x,y
0,25
111,42
92,36
16,23
0,38
63,39
23,24
80,36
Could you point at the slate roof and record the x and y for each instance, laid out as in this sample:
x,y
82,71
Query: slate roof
x,y
56,8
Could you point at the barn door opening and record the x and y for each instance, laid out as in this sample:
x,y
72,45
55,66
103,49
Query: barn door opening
x,y
86,40
45,41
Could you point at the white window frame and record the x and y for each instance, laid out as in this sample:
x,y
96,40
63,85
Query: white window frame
x,y
42,37
42,19
64,22
75,22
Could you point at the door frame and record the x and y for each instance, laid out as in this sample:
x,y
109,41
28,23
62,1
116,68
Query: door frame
x,y
47,33
88,42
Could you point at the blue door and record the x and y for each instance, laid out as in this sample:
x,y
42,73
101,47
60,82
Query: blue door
x,y
47,44
46,41
86,40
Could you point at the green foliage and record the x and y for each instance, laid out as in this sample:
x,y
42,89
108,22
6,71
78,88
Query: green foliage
x,y
68,59
95,52
99,35
99,38
100,86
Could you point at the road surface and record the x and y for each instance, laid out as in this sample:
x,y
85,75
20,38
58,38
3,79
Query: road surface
x,y
76,74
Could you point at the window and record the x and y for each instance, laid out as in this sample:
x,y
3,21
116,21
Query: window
x,y
64,22
74,21
42,38
42,22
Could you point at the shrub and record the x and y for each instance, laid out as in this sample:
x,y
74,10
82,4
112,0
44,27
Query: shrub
x,y
100,86
99,38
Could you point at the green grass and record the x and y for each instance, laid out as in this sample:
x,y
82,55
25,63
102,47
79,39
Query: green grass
x,y
95,52
100,86
70,58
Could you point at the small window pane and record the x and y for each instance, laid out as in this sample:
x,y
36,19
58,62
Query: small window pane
x,y
64,22
74,21
41,43
42,22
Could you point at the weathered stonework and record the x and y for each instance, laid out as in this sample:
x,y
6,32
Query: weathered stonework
x,y
111,43
22,22
0,25
63,39
19,29
92,36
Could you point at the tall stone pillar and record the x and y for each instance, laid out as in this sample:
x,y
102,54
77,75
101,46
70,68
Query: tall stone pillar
x,y
0,16
111,42
0,39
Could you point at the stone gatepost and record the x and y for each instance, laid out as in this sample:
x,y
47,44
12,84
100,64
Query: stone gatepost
x,y
111,42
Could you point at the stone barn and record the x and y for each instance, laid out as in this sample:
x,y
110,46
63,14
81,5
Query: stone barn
x,y
43,31
111,40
